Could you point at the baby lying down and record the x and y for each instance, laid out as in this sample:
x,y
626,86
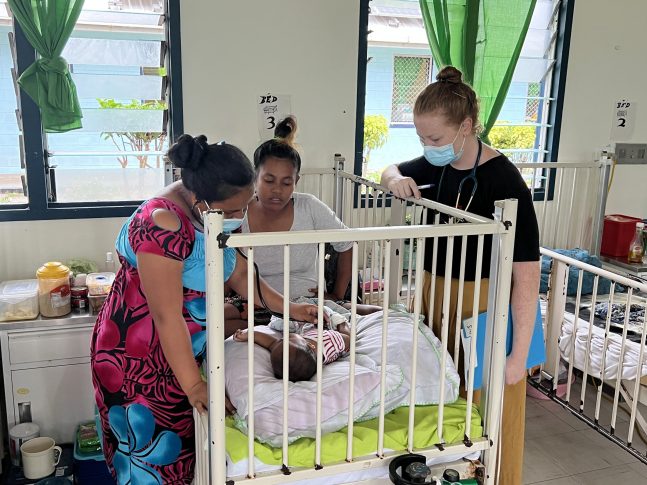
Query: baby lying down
x,y
303,345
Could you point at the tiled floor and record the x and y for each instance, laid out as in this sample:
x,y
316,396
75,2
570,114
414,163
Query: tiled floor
x,y
562,450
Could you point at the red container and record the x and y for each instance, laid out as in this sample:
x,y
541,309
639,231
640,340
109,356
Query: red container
x,y
617,234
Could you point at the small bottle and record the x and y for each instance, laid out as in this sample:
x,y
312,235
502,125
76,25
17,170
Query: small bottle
x,y
637,248
110,264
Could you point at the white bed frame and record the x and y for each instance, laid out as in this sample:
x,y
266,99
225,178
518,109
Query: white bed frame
x,y
379,242
573,217
632,394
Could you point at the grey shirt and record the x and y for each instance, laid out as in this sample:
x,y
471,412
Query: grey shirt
x,y
309,214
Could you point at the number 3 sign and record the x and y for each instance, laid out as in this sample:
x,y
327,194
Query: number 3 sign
x,y
271,109
624,115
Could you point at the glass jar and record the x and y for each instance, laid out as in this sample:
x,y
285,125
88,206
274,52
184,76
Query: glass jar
x,y
54,289
79,298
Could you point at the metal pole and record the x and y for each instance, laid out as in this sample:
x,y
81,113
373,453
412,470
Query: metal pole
x,y
398,211
557,287
214,260
600,208
497,323
338,187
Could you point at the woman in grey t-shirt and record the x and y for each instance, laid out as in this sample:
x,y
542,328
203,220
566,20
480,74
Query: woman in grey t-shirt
x,y
277,207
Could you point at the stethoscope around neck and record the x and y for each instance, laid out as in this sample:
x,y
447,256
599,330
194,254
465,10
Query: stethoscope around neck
x,y
471,176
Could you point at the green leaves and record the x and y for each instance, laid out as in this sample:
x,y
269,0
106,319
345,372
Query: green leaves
x,y
376,132
107,103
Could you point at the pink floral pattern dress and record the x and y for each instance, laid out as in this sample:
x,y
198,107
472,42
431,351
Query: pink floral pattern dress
x,y
146,419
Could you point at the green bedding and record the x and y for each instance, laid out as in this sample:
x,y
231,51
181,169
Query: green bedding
x,y
333,445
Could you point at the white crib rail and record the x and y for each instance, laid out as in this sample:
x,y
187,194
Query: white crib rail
x,y
382,237
608,373
570,200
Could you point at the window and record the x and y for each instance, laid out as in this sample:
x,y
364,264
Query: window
x,y
11,165
119,58
399,65
410,76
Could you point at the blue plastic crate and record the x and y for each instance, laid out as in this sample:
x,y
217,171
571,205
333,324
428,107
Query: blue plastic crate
x,y
91,469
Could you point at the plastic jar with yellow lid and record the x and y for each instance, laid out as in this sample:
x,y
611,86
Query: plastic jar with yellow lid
x,y
54,289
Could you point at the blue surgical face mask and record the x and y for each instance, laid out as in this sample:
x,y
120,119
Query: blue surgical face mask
x,y
230,225
443,155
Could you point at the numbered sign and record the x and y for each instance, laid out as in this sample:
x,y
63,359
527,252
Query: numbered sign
x,y
272,108
624,116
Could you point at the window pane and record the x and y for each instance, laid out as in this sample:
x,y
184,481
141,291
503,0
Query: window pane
x,y
115,57
11,191
410,76
399,61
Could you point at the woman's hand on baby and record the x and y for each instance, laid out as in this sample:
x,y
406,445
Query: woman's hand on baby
x,y
404,187
241,335
305,312
198,397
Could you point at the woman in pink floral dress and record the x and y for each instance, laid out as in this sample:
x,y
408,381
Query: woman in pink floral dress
x,y
149,336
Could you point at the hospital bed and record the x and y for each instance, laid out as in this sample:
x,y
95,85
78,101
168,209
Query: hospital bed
x,y
460,432
596,364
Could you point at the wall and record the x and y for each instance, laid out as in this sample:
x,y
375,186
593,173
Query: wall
x,y
319,70
233,52
606,63
25,245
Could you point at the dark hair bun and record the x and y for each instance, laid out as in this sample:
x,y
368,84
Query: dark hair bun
x,y
449,74
286,129
188,152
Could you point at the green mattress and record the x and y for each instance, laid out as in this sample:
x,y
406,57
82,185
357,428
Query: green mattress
x,y
333,445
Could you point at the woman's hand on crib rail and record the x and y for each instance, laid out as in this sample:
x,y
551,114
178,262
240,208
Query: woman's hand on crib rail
x,y
198,396
399,185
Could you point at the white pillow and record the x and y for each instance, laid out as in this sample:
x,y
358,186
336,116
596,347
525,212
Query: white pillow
x,y
268,393
399,351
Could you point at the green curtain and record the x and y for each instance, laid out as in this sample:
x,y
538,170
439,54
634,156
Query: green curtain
x,y
483,39
47,24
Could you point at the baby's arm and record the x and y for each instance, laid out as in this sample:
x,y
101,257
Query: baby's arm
x,y
344,330
265,340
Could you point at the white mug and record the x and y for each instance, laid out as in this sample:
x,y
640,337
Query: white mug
x,y
39,457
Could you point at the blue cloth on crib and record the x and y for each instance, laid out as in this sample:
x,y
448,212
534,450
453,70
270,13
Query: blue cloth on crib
x,y
536,352
583,255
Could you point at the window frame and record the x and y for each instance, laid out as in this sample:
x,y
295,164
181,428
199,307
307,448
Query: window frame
x,y
557,91
38,207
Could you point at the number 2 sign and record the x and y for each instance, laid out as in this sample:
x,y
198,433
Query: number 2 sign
x,y
624,115
271,109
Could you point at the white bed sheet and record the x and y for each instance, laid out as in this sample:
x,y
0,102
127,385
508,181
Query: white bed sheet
x,y
240,469
595,349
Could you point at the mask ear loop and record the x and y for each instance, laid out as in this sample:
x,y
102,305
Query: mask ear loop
x,y
198,215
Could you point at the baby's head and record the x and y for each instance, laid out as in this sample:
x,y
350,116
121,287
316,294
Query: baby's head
x,y
303,360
